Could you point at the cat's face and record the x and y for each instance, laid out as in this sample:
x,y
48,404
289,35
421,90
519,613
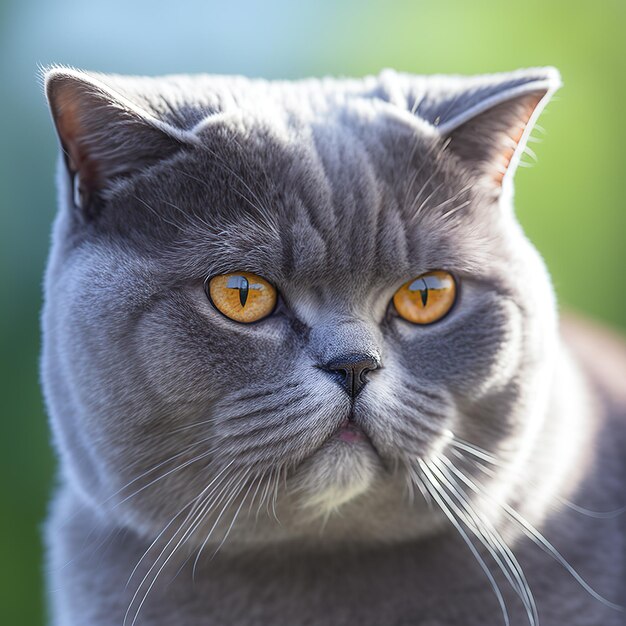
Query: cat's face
x,y
337,194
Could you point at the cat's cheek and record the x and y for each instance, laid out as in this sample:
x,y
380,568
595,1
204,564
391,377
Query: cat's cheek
x,y
188,351
477,349
490,356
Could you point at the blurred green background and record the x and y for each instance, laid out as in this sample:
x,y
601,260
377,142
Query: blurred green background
x,y
571,203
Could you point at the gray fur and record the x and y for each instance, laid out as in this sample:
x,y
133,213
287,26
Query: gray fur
x,y
337,191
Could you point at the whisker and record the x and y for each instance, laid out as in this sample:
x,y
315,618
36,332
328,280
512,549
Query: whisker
x,y
261,209
185,534
488,541
139,477
536,537
459,455
489,472
232,523
483,526
194,500
426,201
262,476
454,210
421,191
417,172
188,215
275,495
264,495
240,479
417,480
595,514
201,517
452,198
181,429
161,533
196,521
195,459
475,451
149,471
435,491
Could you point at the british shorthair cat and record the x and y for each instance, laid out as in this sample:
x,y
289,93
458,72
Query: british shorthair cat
x,y
304,368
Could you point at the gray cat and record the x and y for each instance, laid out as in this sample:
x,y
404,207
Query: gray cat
x,y
304,368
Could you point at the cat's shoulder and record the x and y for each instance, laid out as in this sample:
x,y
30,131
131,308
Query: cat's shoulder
x,y
601,352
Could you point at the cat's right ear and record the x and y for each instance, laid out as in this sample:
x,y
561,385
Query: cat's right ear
x,y
104,135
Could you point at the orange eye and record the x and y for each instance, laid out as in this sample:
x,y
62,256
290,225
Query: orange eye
x,y
242,296
427,298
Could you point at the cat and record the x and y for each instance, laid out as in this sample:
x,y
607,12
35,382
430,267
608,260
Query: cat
x,y
303,367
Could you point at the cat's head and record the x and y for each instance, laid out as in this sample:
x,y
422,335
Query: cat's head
x,y
289,296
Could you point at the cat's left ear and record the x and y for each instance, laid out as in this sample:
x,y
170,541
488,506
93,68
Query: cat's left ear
x,y
486,120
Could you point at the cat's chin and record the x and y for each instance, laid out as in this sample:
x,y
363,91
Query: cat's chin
x,y
344,468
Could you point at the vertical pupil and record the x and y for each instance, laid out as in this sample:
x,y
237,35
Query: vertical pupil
x,y
243,290
422,286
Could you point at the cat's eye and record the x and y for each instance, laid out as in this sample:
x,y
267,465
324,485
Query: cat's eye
x,y
427,298
242,296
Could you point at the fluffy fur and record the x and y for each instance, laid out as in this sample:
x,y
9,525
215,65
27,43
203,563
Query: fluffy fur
x,y
202,480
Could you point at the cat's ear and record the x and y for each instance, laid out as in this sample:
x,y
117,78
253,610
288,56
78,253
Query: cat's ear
x,y
104,135
486,120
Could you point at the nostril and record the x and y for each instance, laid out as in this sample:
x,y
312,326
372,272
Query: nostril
x,y
363,375
351,370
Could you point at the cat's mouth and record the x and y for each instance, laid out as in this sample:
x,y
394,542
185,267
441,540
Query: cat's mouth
x,y
342,468
347,439
350,433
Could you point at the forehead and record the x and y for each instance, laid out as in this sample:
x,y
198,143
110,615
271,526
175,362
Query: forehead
x,y
329,194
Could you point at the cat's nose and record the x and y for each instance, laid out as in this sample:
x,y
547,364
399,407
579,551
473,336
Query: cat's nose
x,y
351,371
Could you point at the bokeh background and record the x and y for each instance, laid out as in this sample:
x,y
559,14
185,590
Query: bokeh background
x,y
571,202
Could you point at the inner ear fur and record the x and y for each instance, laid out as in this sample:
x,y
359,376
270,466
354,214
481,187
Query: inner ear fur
x,y
489,141
485,120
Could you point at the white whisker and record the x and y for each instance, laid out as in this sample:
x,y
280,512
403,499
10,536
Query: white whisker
x,y
195,459
421,191
435,491
240,479
232,523
483,526
172,539
536,537
594,514
452,198
474,450
454,210
532,533
426,201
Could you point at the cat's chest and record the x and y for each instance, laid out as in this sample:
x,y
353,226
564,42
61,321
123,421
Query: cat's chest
x,y
432,583
437,585
405,593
